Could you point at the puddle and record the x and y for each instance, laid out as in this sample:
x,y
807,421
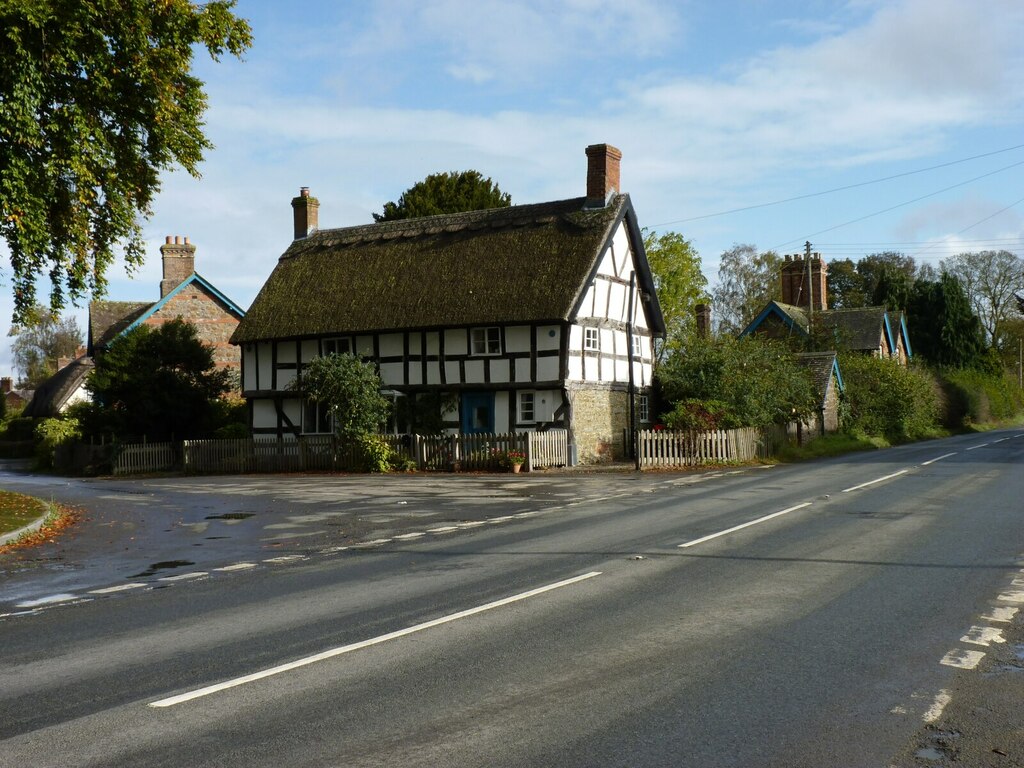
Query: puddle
x,y
155,568
232,516
929,753
1019,651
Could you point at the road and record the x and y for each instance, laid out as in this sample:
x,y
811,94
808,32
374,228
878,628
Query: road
x,y
807,615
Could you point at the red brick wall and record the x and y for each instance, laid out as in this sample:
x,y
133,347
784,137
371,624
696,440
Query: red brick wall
x,y
213,322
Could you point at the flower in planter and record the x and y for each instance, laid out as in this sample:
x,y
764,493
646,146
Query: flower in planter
x,y
511,458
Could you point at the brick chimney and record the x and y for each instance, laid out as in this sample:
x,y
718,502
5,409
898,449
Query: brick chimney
x,y
795,287
179,262
305,210
602,174
703,313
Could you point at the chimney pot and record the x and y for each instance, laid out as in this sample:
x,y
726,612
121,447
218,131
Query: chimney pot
x,y
167,240
186,240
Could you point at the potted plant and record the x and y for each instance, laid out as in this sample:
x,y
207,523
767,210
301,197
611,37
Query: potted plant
x,y
514,460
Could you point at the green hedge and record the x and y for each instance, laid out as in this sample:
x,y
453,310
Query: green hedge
x,y
975,397
886,399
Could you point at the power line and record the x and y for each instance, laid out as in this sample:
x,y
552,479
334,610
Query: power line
x,y
899,205
837,189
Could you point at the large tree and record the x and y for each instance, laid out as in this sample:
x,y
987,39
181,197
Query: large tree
x,y
40,342
990,279
160,383
96,100
944,328
452,192
747,280
678,279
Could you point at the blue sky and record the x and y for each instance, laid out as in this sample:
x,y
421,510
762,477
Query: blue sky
x,y
715,105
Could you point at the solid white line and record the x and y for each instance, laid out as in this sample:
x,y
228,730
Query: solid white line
x,y
935,710
938,458
743,525
118,588
199,693
877,480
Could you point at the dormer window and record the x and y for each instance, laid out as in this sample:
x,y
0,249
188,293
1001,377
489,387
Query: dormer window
x,y
591,340
485,341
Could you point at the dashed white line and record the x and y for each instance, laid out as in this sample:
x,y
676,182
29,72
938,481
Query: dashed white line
x,y
372,543
962,659
443,529
199,693
982,445
405,536
1003,613
48,600
502,519
236,567
876,480
1000,440
984,636
472,523
938,458
284,559
942,698
185,576
710,536
118,588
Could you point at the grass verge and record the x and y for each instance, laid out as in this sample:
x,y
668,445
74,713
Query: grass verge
x,y
18,510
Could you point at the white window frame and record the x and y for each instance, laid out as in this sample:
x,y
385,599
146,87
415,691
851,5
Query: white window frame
x,y
485,341
643,408
330,346
638,348
527,413
591,340
318,413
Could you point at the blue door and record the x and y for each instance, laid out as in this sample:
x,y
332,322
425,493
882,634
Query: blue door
x,y
477,412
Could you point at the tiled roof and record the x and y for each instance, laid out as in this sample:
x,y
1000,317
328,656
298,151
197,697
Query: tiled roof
x,y
525,263
108,318
821,365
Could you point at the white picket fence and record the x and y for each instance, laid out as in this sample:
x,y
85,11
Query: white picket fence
x,y
664,448
322,453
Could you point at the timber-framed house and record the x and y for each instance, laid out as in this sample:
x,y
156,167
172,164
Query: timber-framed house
x,y
529,317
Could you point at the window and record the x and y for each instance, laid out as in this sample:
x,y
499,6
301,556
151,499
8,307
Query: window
x,y
485,341
591,340
316,418
638,349
643,411
336,346
527,412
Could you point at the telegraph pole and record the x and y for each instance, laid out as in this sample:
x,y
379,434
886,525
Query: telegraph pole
x,y
810,287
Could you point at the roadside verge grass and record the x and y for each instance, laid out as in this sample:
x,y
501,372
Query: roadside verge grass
x,y
18,510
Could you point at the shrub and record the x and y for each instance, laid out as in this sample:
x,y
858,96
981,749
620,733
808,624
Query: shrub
x,y
886,399
375,452
977,397
701,416
52,433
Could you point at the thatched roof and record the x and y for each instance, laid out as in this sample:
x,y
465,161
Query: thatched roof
x,y
521,264
51,396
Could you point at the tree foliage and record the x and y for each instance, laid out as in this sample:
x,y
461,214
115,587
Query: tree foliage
x,y
40,342
160,383
990,279
97,99
350,388
845,286
749,382
946,331
747,280
678,279
452,192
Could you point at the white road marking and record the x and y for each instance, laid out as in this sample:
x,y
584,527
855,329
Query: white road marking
x,y
983,636
1003,613
118,588
48,600
702,539
410,535
1017,596
236,567
443,529
332,550
977,446
284,559
185,576
503,519
1000,440
938,458
329,654
876,480
962,659
942,698
472,524
372,543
